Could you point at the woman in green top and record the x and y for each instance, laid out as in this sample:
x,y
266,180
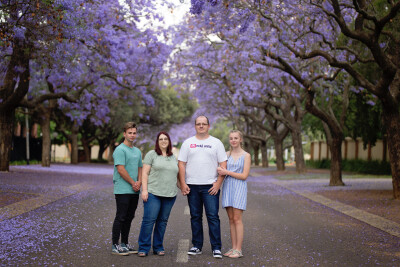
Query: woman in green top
x,y
159,189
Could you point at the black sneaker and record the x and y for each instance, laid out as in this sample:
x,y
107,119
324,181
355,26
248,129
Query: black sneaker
x,y
217,254
118,250
194,251
128,248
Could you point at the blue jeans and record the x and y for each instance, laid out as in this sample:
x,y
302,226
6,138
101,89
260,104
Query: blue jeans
x,y
198,197
156,211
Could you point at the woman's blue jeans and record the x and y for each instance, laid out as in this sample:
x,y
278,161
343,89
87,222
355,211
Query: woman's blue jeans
x,y
155,215
198,197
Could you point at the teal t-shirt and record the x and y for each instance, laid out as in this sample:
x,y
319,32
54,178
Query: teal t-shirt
x,y
131,158
163,174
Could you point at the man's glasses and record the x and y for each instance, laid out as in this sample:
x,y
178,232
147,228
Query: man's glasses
x,y
201,124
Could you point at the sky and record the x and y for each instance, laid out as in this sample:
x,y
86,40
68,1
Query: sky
x,y
175,15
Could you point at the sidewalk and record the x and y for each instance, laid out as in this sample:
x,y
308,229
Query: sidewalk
x,y
21,192
369,200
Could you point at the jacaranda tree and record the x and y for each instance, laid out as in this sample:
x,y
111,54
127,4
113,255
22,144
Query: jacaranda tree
x,y
78,52
345,34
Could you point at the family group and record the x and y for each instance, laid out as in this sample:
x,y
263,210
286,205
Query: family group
x,y
202,170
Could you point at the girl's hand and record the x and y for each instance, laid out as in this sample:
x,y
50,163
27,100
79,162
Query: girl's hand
x,y
222,171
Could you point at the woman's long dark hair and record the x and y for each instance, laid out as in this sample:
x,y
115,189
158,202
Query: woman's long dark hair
x,y
169,148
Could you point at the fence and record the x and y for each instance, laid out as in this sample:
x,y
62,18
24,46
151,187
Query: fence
x,y
351,149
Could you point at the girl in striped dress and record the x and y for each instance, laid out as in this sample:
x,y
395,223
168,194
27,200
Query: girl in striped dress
x,y
234,190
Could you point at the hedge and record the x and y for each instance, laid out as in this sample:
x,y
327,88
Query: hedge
x,y
355,165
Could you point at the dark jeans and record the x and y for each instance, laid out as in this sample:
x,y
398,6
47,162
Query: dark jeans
x,y
197,198
156,213
126,207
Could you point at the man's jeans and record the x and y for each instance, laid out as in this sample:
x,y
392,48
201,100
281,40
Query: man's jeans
x,y
126,207
198,197
156,211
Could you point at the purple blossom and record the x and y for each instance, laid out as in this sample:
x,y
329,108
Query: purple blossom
x,y
371,102
197,6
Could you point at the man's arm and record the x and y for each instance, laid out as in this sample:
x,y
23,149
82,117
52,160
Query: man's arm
x,y
217,185
182,171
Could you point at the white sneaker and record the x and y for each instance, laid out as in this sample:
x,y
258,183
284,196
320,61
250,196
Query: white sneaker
x,y
217,254
194,251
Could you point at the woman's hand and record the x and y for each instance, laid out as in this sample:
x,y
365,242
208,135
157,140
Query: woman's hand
x,y
222,171
145,195
185,189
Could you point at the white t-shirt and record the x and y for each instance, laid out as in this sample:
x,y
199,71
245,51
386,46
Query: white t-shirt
x,y
202,158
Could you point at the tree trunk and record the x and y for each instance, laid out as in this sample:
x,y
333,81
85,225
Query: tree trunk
x,y
336,161
110,158
384,145
256,149
334,137
392,124
46,139
87,149
280,162
74,143
298,152
102,148
264,154
6,134
12,92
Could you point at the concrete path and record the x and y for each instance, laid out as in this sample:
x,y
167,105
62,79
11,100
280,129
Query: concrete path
x,y
286,224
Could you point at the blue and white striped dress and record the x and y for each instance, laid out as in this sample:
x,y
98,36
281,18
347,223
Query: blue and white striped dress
x,y
234,191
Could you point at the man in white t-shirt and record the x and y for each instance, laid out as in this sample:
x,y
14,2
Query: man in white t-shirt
x,y
199,158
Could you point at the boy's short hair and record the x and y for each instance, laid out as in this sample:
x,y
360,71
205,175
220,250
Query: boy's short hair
x,y
129,125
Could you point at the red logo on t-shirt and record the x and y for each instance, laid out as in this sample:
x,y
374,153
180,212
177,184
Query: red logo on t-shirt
x,y
192,145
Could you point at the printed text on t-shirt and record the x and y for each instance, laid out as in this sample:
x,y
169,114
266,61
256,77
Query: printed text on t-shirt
x,y
205,146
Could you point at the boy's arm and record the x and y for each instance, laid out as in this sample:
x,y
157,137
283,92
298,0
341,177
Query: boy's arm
x,y
138,184
125,175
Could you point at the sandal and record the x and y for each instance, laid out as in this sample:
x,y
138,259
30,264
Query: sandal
x,y
236,254
142,254
229,252
159,253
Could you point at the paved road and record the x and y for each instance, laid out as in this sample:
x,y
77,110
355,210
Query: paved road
x,y
65,219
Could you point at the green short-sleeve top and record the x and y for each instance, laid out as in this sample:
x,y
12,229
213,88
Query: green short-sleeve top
x,y
163,174
131,158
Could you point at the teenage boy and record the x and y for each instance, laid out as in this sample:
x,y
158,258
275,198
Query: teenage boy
x,y
127,181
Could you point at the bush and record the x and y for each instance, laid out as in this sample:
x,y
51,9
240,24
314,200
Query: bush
x,y
355,165
23,162
319,164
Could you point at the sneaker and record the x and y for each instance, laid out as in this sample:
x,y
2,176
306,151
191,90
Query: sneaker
x,y
194,251
217,254
128,248
118,250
